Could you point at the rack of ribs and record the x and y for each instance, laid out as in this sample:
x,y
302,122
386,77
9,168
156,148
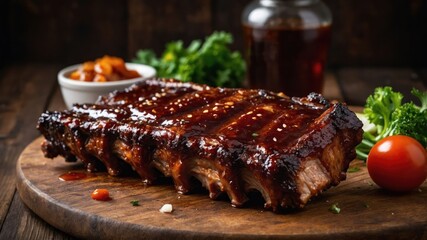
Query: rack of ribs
x,y
232,141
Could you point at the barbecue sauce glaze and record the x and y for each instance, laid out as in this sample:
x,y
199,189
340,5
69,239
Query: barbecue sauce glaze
x,y
234,127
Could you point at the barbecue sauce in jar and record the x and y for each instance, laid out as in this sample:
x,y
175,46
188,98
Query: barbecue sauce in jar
x,y
286,42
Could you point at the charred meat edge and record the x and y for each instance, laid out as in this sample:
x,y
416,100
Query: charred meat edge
x,y
321,158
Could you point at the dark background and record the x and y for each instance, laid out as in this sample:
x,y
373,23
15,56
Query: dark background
x,y
380,33
374,43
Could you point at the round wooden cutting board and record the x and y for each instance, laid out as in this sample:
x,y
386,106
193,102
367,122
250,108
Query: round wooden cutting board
x,y
365,210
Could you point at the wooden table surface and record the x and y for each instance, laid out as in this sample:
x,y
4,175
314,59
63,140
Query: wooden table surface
x,y
26,90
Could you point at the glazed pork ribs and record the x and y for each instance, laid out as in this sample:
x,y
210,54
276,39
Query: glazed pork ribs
x,y
232,141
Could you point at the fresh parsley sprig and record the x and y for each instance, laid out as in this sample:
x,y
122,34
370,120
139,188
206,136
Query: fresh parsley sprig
x,y
210,62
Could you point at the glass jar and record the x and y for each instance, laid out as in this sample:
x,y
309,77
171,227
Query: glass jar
x,y
286,45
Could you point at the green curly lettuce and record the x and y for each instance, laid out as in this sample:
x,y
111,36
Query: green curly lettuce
x,y
385,110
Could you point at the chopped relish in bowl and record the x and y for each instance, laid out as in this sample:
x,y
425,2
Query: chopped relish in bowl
x,y
105,69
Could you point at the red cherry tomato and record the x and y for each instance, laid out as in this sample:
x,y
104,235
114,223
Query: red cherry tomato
x,y
398,163
100,195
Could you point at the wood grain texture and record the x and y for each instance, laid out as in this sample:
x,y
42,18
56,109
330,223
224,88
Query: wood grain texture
x,y
375,33
25,90
331,89
366,211
226,16
152,24
22,223
66,32
365,33
358,83
57,101
7,179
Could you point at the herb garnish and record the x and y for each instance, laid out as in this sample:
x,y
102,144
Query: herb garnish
x,y
134,203
353,169
389,116
334,208
211,62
